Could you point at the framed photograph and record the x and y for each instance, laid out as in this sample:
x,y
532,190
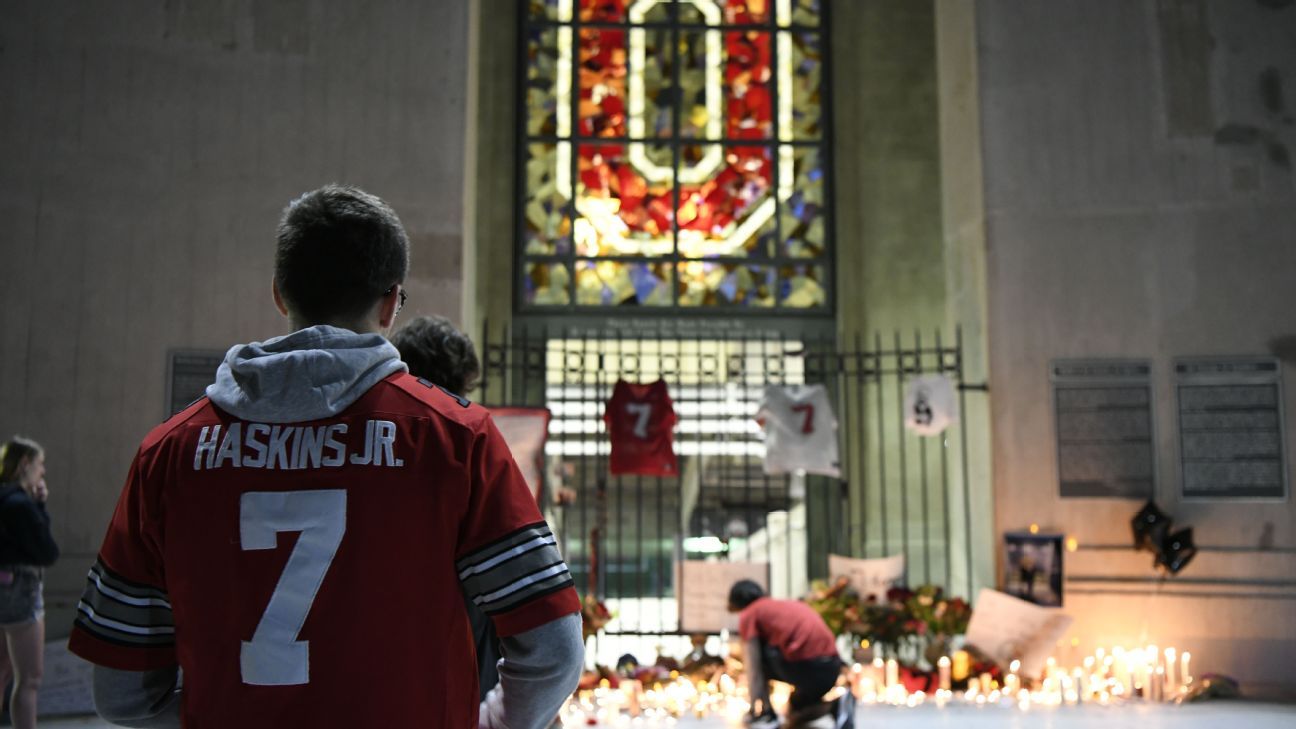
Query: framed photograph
x,y
1033,567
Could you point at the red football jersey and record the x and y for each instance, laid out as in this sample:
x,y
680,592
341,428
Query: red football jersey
x,y
640,420
313,574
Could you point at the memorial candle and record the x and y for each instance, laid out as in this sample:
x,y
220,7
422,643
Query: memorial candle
x,y
1184,674
892,673
944,665
959,665
1170,683
1157,685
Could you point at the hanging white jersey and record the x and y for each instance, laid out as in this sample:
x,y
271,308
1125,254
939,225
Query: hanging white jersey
x,y
800,430
931,405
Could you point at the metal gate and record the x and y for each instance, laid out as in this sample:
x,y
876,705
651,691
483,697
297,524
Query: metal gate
x,y
898,493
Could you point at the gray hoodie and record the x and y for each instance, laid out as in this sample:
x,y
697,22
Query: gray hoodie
x,y
310,374
316,373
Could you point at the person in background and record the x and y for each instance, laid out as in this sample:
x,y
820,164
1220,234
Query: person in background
x,y
784,640
26,547
437,352
298,541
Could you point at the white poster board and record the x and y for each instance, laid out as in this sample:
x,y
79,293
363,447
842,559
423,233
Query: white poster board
x,y
930,404
525,430
1006,628
703,592
868,576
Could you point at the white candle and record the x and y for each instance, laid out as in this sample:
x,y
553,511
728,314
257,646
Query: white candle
x,y
1170,669
868,689
1185,675
879,672
944,665
1081,684
1157,692
892,672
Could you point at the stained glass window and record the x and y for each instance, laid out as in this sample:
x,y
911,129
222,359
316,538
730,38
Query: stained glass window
x,y
674,156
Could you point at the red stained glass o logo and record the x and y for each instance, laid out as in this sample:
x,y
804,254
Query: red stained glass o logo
x,y
624,190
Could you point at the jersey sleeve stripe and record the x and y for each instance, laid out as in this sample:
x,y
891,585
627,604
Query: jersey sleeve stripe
x,y
125,586
503,544
97,619
124,612
540,590
542,573
125,640
515,552
104,587
128,614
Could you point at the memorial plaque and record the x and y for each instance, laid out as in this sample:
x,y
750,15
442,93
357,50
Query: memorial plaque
x,y
189,372
1231,431
1103,413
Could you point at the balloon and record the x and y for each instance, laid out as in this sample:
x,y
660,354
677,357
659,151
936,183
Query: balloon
x,y
1150,527
1177,551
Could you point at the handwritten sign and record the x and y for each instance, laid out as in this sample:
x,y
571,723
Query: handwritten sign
x,y
1007,629
703,589
868,576
525,431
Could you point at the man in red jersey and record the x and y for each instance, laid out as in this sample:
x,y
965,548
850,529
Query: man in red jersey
x,y
786,640
299,541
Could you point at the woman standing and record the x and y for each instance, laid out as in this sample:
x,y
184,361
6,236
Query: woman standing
x,y
26,547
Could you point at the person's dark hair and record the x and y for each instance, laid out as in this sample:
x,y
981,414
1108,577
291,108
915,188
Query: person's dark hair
x,y
744,593
12,455
439,353
339,250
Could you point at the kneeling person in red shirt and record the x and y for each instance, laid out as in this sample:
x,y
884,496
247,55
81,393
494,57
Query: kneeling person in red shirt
x,y
784,640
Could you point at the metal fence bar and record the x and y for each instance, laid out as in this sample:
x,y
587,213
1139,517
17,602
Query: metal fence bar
x,y
945,504
922,469
967,490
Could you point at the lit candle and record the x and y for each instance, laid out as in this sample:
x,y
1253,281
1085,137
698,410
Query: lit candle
x,y
868,689
1011,681
892,673
959,665
1141,677
985,683
1080,677
879,675
1170,670
1157,693
1184,674
944,665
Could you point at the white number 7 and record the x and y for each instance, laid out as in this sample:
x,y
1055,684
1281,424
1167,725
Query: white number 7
x,y
274,656
642,411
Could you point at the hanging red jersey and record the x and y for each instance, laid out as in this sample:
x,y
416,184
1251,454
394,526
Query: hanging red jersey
x,y
640,419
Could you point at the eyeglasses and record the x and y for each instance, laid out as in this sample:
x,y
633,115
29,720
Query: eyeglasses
x,y
403,295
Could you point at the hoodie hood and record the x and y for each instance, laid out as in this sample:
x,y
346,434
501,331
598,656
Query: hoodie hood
x,y
311,374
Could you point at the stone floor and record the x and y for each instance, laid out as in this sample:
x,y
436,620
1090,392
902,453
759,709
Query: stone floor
x,y
1213,715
